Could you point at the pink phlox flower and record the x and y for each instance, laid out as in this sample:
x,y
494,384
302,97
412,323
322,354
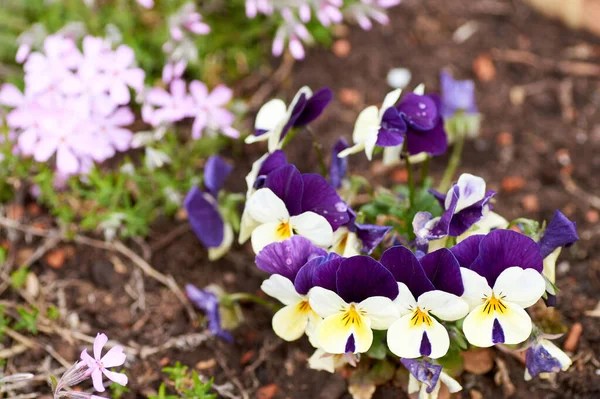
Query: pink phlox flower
x,y
109,132
254,7
187,19
146,3
173,70
171,106
99,365
295,32
209,110
328,12
120,74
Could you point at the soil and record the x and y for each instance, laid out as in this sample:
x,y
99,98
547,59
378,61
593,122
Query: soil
x,y
541,128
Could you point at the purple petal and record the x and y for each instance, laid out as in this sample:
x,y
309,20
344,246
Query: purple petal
x,y
467,250
406,268
457,95
371,235
260,132
273,161
561,232
216,171
425,348
423,371
539,360
296,112
392,129
441,198
287,257
286,182
325,273
209,304
315,106
465,219
362,277
204,217
419,112
338,166
321,198
433,142
442,228
443,270
497,333
502,249
350,344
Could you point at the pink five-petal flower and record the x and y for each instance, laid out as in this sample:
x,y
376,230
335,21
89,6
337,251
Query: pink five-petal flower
x,y
120,75
99,365
209,110
171,106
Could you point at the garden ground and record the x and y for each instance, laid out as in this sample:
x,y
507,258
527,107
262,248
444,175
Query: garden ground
x,y
539,91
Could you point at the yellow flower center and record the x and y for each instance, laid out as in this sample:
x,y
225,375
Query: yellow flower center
x,y
421,317
494,304
304,306
284,230
353,316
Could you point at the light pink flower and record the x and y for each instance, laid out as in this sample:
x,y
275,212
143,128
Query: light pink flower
x,y
209,110
171,106
173,70
146,3
99,365
119,74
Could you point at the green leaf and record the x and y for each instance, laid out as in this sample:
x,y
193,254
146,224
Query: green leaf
x,y
18,277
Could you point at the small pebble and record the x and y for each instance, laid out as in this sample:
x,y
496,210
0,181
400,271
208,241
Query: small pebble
x,y
573,337
512,183
349,97
267,392
505,139
56,259
341,48
563,268
531,203
592,216
484,68
399,78
32,285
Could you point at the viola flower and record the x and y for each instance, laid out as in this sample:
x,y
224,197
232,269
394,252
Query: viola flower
x,y
464,205
209,110
293,204
274,119
99,365
353,299
424,123
337,165
171,106
501,272
457,96
382,127
426,378
428,287
560,232
544,357
353,238
291,263
203,209
209,304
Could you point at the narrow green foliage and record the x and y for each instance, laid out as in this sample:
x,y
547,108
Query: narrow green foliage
x,y
17,277
27,320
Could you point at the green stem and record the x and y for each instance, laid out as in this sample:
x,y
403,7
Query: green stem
x,y
411,179
245,297
319,149
453,163
425,171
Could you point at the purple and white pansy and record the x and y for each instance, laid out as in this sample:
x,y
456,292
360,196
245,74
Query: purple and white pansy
x,y
202,207
274,120
543,357
353,298
426,378
465,204
428,287
501,273
291,204
355,238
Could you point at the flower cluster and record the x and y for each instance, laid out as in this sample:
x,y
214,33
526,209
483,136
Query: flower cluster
x,y
296,13
74,106
93,367
463,278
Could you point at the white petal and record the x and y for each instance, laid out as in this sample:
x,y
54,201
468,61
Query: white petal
x,y
550,265
420,89
314,227
381,311
275,134
451,383
253,175
405,301
391,155
371,142
321,360
251,139
355,149
389,101
522,286
265,207
334,332
471,190
282,289
404,338
266,234
514,322
444,305
247,226
290,322
215,253
476,287
366,121
325,302
270,115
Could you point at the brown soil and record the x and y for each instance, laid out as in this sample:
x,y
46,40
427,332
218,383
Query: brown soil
x,y
555,130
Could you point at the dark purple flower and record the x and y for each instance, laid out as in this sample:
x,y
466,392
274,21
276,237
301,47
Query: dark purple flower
x,y
362,277
338,166
392,130
204,217
425,372
287,183
464,204
320,272
263,167
209,304
497,251
425,125
561,232
216,171
457,96
369,236
321,198
438,270
288,257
